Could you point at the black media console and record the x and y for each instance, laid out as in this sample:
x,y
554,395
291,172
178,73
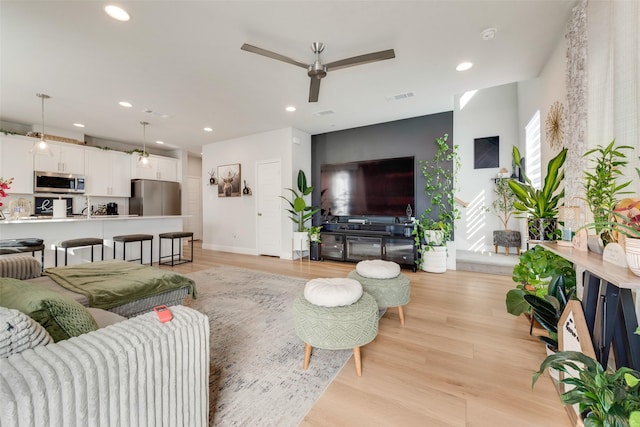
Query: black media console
x,y
353,242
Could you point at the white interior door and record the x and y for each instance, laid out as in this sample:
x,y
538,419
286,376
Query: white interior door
x,y
269,208
194,207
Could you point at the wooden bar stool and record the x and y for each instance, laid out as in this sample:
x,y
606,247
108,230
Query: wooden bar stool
x,y
173,236
79,243
129,238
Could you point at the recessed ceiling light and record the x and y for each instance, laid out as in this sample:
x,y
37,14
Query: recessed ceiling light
x,y
78,125
116,13
290,108
125,104
464,66
160,142
208,129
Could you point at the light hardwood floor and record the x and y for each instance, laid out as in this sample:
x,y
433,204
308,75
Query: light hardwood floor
x,y
460,360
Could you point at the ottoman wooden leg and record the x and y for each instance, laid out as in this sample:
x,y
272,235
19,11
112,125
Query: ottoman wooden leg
x,y
496,246
401,314
356,358
506,250
307,356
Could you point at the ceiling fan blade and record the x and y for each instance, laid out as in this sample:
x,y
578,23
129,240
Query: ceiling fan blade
x,y
361,59
273,55
314,89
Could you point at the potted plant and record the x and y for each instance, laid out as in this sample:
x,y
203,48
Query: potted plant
x,y
605,397
300,212
503,208
540,205
436,224
315,238
533,273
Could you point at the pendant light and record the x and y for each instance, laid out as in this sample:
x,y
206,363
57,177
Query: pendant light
x,y
143,159
42,148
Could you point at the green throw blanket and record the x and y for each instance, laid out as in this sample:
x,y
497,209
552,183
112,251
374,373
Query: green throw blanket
x,y
111,283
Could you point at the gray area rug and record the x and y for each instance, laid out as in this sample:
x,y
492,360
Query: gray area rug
x,y
256,358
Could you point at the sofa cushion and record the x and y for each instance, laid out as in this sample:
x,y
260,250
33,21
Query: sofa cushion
x,y
19,332
105,318
19,267
62,317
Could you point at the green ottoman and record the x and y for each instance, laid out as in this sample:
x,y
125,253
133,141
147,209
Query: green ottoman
x,y
394,292
336,328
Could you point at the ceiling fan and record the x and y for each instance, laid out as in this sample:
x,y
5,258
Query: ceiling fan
x,y
318,70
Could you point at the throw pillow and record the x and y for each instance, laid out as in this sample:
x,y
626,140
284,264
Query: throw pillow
x,y
19,332
62,317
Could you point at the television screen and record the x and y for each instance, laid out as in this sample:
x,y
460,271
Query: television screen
x,y
374,187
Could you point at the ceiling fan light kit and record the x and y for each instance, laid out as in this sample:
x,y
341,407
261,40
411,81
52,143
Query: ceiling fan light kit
x,y
317,70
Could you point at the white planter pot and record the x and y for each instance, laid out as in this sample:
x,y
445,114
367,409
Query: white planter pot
x,y
434,260
300,241
434,237
555,374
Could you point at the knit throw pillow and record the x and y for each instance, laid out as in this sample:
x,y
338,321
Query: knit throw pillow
x,y
62,317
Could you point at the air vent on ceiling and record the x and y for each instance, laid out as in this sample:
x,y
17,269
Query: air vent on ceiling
x,y
323,113
400,96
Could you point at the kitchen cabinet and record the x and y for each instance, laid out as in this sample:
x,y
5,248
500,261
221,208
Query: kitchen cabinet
x,y
16,161
66,158
108,173
160,168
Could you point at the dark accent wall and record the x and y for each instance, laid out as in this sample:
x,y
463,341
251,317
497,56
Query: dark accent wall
x,y
408,137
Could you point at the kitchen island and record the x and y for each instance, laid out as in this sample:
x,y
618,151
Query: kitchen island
x,y
53,230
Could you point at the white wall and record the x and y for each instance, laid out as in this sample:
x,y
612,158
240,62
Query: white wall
x,y
490,112
230,223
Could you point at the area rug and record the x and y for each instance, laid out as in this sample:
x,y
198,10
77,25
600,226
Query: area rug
x,y
256,358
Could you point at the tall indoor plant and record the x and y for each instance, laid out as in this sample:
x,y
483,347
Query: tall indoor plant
x,y
540,205
300,212
436,223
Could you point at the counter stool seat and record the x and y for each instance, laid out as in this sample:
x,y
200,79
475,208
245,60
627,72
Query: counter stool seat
x,y
131,238
14,246
78,243
173,236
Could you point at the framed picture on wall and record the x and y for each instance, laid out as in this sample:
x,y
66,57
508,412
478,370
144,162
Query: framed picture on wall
x,y
486,152
229,180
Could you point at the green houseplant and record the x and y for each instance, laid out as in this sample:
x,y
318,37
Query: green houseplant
x,y
503,206
533,273
436,223
540,205
300,212
602,187
606,398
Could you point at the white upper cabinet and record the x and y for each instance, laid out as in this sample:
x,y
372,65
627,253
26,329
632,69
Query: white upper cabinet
x,y
17,162
107,173
66,158
160,168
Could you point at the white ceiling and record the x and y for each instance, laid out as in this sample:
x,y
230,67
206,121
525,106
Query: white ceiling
x,y
183,59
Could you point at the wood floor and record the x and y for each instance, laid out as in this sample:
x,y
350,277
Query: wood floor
x,y
460,360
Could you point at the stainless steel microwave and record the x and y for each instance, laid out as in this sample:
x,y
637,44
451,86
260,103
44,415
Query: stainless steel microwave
x,y
54,182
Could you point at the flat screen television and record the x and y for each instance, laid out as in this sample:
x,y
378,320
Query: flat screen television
x,y
381,187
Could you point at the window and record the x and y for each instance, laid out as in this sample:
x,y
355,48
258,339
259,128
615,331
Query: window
x,y
532,151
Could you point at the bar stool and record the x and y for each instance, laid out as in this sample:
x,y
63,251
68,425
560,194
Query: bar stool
x,y
129,238
13,246
78,243
173,236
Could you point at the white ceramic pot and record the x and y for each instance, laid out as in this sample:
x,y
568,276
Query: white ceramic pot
x,y
632,252
555,374
434,237
434,260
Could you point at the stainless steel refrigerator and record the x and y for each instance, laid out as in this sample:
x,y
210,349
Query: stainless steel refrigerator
x,y
150,197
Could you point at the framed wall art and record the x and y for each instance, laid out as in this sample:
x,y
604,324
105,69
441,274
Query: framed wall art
x,y
229,180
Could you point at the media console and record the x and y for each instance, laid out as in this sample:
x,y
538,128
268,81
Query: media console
x,y
353,242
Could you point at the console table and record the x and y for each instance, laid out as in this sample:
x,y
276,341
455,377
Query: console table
x,y
608,305
356,242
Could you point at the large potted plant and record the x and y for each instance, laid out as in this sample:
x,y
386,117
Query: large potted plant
x,y
533,273
436,223
503,208
606,398
540,205
301,213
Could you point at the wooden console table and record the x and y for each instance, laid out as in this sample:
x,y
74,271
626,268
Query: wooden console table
x,y
608,305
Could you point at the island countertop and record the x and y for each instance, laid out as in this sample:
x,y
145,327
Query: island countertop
x,y
54,230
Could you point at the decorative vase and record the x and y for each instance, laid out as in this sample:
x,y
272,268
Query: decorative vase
x,y
594,243
542,229
632,252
